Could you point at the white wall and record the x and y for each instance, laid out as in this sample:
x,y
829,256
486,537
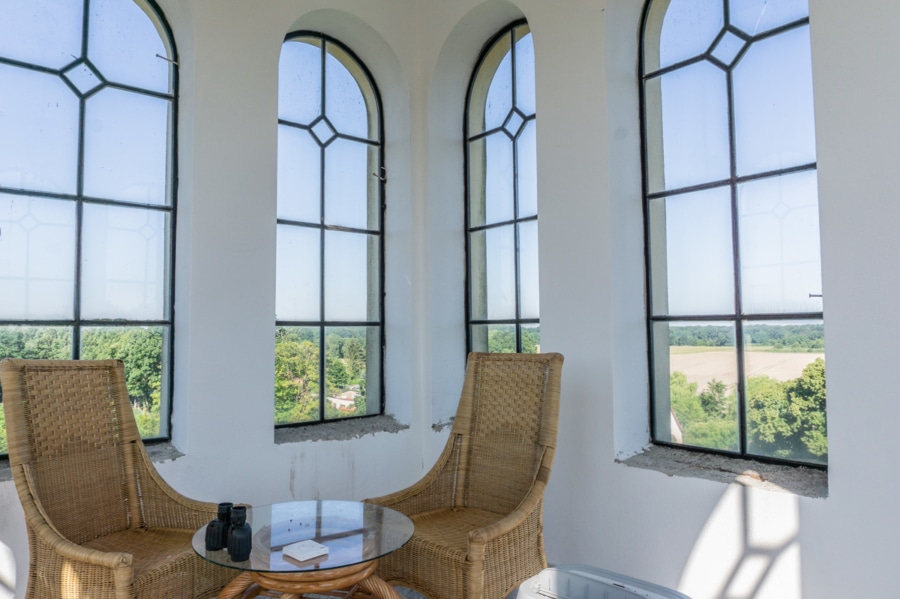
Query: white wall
x,y
706,539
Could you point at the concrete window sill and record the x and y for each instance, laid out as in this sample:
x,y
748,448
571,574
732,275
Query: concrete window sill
x,y
798,480
341,430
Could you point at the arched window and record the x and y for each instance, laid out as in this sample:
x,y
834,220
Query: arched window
x,y
329,283
735,309
501,197
87,189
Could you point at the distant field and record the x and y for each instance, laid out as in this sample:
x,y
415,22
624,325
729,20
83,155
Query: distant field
x,y
701,364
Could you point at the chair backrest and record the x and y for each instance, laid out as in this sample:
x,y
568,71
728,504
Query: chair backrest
x,y
71,434
506,427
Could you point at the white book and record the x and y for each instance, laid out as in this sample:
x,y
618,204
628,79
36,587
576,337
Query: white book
x,y
305,550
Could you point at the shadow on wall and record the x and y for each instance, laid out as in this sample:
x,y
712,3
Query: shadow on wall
x,y
752,538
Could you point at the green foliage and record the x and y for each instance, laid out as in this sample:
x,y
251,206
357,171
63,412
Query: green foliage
x,y
354,353
808,408
336,375
785,419
36,343
139,348
502,339
296,377
298,390
4,447
715,402
767,410
707,419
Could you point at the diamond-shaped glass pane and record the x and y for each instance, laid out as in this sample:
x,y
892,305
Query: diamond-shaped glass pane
x,y
513,123
83,77
728,48
323,131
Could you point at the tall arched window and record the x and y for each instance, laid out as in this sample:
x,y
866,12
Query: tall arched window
x,y
735,309
501,197
87,192
329,284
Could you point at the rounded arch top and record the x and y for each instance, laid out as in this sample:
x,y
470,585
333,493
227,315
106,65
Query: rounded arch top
x,y
366,43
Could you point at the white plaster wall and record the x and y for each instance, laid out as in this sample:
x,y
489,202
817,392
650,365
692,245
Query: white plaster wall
x,y
706,539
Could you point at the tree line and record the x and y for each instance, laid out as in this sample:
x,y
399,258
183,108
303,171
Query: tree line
x,y
794,337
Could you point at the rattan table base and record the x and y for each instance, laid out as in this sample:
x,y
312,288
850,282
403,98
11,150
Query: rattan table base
x,y
358,581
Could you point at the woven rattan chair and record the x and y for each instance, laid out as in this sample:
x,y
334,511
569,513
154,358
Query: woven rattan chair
x,y
479,511
101,521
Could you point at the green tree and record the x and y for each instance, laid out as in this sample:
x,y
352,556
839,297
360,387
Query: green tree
x,y
707,419
296,378
335,375
502,341
354,353
531,340
768,416
140,348
807,398
714,400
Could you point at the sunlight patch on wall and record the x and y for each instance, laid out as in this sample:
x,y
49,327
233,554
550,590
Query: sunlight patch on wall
x,y
748,549
7,572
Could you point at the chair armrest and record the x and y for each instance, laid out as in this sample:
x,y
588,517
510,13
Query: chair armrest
x,y
69,550
46,534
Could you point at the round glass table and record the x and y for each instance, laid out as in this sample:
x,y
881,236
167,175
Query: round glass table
x,y
356,534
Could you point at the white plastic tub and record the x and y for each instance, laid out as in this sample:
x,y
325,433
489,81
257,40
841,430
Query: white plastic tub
x,y
577,581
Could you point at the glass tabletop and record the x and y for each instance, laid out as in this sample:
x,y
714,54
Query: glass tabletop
x,y
354,532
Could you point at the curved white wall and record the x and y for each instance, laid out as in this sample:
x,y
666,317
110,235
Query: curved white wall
x,y
707,539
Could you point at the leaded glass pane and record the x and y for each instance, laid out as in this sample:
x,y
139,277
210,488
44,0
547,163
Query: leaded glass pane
x,y
38,140
300,81
692,128
46,33
347,263
348,170
525,72
688,29
126,136
780,262
526,170
299,175
691,254
758,16
37,258
123,263
297,270
345,103
773,104
529,275
125,45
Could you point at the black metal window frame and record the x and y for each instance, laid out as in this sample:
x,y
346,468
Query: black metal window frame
x,y
739,317
77,323
518,322
322,227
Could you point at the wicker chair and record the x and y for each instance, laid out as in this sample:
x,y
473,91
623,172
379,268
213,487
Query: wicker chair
x,y
101,521
479,511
